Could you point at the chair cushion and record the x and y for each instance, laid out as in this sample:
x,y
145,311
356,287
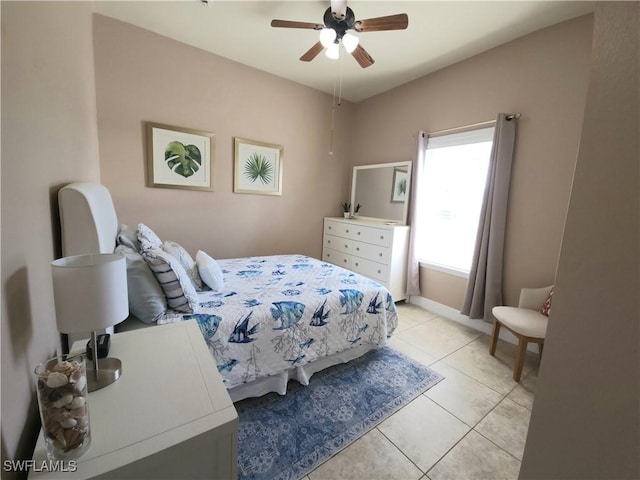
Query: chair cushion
x,y
529,323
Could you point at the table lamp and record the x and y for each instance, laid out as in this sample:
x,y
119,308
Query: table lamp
x,y
90,293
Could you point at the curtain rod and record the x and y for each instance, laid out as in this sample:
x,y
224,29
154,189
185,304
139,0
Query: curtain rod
x,y
510,116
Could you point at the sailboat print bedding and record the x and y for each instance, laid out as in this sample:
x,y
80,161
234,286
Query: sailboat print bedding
x,y
284,311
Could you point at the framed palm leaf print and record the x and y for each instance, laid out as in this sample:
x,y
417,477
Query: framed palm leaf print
x,y
257,167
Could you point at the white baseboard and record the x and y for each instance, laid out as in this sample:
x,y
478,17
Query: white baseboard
x,y
454,315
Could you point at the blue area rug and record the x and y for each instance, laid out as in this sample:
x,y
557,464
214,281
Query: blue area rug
x,y
286,437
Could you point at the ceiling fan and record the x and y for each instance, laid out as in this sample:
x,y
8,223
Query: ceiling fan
x,y
338,19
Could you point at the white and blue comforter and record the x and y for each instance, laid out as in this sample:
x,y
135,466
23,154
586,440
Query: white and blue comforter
x,y
284,311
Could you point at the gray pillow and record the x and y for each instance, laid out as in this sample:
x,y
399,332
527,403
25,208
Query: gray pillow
x,y
146,298
128,237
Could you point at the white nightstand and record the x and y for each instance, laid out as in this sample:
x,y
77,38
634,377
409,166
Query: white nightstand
x,y
168,416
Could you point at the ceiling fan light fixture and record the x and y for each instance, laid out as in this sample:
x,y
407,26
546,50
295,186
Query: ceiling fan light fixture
x,y
333,51
327,37
350,42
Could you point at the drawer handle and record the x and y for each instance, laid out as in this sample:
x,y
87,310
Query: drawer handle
x,y
330,227
346,246
379,271
357,264
347,230
328,241
380,254
358,232
381,237
357,249
328,255
345,260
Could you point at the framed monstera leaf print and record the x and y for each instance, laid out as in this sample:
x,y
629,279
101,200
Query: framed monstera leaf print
x,y
257,167
179,157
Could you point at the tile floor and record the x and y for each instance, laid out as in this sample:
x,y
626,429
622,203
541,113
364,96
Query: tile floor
x,y
472,425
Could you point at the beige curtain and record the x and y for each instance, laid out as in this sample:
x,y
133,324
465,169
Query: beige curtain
x,y
484,290
417,169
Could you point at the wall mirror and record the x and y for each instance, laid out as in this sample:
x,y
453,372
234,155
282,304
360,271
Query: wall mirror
x,y
382,191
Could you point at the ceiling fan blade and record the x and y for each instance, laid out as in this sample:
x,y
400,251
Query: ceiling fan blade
x,y
390,22
312,52
291,24
362,57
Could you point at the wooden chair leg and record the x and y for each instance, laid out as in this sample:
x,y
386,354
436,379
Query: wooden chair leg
x,y
494,337
522,351
540,347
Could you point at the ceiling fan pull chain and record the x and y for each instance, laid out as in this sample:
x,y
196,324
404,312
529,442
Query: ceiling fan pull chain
x,y
333,113
340,90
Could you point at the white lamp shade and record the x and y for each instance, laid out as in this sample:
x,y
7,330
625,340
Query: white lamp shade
x,y
350,42
90,292
333,51
327,37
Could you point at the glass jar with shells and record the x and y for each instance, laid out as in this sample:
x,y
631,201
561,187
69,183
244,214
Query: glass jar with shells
x,y
62,399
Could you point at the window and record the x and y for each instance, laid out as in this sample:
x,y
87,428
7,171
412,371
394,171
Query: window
x,y
451,198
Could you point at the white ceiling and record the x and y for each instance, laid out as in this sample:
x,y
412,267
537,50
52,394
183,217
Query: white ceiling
x,y
439,34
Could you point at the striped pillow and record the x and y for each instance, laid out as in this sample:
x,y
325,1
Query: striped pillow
x,y
187,262
172,277
147,237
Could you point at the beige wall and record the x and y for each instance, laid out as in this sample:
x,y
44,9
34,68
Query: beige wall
x,y
141,76
49,137
585,418
542,75
443,287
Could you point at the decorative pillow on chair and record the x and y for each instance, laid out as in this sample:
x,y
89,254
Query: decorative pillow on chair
x,y
546,306
146,298
185,260
176,284
210,271
147,237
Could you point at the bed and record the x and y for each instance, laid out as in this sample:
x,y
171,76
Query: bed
x,y
269,320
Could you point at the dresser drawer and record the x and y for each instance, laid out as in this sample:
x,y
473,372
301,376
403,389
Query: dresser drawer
x,y
359,249
337,258
377,271
373,270
376,236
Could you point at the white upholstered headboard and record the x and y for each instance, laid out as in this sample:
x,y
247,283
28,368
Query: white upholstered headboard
x,y
88,219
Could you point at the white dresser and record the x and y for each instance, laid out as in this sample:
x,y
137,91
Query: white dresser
x,y
373,249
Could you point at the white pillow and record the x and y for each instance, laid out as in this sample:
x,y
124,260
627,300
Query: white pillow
x,y
210,271
147,237
176,284
185,260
